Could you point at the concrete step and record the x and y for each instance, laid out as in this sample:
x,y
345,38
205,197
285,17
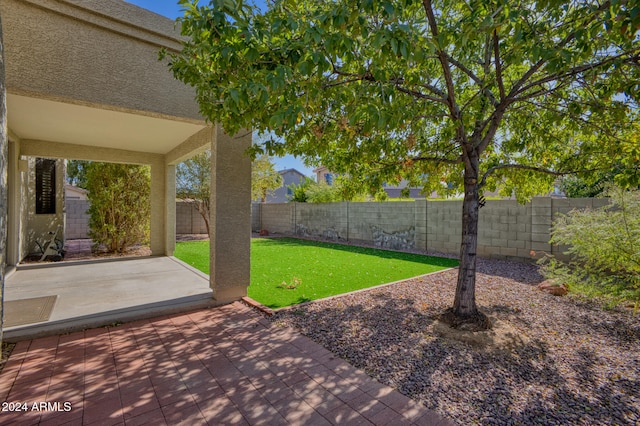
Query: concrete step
x,y
101,319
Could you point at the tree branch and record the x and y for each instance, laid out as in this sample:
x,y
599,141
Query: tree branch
x,y
538,93
516,88
473,77
439,160
340,83
571,72
420,94
483,181
396,82
443,58
496,53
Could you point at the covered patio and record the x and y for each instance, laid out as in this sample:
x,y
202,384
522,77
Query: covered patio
x,y
63,297
83,81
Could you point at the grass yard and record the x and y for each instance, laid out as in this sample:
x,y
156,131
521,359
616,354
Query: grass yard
x,y
287,271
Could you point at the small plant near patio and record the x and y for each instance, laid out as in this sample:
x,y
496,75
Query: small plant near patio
x,y
295,282
605,248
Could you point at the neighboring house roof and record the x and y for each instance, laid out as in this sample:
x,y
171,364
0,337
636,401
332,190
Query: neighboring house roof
x,y
294,171
283,193
73,192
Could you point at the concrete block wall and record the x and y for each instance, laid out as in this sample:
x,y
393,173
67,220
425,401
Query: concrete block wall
x,y
444,226
279,218
504,230
420,217
189,220
326,220
507,230
390,225
77,220
255,217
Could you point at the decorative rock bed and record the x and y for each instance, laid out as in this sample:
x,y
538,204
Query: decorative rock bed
x,y
574,363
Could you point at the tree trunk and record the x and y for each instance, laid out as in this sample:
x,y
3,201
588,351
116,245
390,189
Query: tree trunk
x,y
203,208
465,315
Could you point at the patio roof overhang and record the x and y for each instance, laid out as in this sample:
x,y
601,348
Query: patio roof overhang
x,y
87,74
37,119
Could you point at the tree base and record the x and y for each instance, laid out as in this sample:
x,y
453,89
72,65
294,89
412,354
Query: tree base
x,y
502,338
475,322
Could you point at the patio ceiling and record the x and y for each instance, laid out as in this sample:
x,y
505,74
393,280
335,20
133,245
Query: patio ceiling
x,y
47,120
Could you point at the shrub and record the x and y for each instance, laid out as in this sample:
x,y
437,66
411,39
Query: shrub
x,y
311,192
604,245
120,204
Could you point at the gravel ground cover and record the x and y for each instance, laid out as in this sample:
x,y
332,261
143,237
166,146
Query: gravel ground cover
x,y
580,365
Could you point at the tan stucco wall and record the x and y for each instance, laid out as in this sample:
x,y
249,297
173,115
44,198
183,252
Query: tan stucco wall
x,y
196,144
14,219
81,55
35,148
18,191
4,200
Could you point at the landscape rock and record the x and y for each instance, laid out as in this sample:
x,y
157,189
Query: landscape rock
x,y
552,287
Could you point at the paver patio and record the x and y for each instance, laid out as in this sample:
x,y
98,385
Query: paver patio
x,y
224,365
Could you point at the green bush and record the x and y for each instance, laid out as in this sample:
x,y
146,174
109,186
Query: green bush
x,y
604,245
120,204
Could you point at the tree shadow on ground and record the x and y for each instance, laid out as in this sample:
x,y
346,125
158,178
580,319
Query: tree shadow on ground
x,y
391,340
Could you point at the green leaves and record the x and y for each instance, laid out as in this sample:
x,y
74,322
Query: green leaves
x,y
604,244
118,217
363,86
264,178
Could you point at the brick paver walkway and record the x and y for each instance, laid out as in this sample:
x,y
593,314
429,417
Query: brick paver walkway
x,y
225,365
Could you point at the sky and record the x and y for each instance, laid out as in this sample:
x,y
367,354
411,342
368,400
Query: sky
x,y
172,10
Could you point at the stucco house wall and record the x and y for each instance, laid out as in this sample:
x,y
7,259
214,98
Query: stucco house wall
x,y
89,50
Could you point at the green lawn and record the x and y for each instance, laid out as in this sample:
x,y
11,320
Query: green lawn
x,y
287,271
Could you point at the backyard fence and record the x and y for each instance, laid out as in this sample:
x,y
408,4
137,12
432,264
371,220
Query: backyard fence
x,y
77,219
507,230
188,219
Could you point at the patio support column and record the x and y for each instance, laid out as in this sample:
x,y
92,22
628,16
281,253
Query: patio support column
x,y
170,209
230,216
158,205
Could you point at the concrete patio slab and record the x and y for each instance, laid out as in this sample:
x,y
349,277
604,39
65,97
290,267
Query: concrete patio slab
x,y
220,366
98,293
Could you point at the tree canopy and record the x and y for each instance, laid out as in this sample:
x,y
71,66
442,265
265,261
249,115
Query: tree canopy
x,y
77,172
479,93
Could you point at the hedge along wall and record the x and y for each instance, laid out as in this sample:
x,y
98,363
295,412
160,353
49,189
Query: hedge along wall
x,y
507,230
